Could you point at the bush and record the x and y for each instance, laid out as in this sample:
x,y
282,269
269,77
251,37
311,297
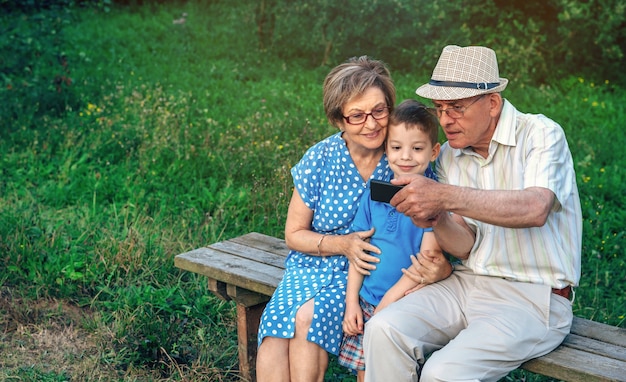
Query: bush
x,y
535,43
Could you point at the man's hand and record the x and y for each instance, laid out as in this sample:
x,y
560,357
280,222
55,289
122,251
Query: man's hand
x,y
427,267
419,199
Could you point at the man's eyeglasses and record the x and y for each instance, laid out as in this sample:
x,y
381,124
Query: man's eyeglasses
x,y
360,118
454,112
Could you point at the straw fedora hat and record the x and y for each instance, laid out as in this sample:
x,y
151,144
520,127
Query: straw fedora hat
x,y
463,72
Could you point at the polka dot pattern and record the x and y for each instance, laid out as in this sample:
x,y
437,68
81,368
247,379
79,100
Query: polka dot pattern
x,y
330,185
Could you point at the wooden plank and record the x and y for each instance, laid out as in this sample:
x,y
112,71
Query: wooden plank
x,y
589,345
231,269
603,332
263,242
576,365
246,297
219,289
257,255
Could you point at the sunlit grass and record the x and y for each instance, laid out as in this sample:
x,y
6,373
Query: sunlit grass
x,y
173,136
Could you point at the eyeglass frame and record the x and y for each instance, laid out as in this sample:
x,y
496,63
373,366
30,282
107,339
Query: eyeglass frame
x,y
459,109
347,119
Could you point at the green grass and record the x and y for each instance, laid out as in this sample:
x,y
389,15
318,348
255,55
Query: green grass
x,y
127,139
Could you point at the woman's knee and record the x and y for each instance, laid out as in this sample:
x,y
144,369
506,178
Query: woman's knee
x,y
273,346
304,317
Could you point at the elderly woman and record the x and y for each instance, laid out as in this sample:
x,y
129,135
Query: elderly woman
x,y
302,322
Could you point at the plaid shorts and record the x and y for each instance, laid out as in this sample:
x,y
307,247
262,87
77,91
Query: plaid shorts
x,y
351,352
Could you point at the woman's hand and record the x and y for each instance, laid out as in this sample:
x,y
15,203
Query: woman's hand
x,y
358,250
427,267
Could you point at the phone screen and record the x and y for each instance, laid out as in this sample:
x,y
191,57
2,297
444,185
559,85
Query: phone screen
x,y
383,191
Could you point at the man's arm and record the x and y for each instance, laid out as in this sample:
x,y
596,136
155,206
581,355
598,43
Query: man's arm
x,y
424,200
506,208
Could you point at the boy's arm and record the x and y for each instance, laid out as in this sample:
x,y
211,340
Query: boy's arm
x,y
353,317
410,281
430,266
454,226
397,291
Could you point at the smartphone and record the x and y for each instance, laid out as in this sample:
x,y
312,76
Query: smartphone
x,y
383,191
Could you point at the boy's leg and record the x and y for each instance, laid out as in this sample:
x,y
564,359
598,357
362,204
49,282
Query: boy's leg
x,y
398,338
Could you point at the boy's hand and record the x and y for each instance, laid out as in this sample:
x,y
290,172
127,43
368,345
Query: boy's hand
x,y
353,320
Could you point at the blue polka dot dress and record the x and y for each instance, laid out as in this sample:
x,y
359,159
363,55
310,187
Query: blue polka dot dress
x,y
329,183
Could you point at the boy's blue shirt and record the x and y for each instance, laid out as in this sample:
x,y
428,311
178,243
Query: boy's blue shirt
x,y
397,238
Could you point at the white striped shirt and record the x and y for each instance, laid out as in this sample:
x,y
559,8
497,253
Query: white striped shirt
x,y
525,151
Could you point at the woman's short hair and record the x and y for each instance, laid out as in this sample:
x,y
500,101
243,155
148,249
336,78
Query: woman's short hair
x,y
352,78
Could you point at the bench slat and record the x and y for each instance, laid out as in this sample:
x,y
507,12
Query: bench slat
x,y
570,364
603,332
263,242
601,348
231,269
256,255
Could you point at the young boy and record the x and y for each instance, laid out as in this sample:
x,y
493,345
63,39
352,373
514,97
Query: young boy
x,y
412,144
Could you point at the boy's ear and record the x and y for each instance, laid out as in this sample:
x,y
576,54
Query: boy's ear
x,y
436,150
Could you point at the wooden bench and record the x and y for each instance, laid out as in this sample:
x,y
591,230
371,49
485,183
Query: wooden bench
x,y
248,268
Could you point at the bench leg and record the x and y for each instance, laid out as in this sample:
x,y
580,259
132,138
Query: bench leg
x,y
247,327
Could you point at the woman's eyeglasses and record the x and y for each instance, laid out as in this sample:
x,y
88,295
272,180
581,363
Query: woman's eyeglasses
x,y
360,118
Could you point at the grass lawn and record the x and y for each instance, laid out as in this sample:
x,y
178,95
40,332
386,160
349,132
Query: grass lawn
x,y
129,136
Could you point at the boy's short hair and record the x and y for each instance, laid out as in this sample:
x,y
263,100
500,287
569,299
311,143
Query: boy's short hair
x,y
415,114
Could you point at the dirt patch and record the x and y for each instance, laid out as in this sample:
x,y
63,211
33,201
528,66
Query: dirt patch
x,y
56,340
46,336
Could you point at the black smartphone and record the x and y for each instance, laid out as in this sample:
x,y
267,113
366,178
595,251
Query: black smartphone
x,y
383,191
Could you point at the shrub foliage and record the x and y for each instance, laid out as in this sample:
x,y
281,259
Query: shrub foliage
x,y
535,41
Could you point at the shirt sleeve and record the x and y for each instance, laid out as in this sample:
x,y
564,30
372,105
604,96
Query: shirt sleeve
x,y
548,159
363,218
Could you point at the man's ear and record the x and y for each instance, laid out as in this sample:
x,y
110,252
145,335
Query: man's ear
x,y
495,104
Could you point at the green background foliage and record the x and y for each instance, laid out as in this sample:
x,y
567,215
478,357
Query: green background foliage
x,y
128,136
536,41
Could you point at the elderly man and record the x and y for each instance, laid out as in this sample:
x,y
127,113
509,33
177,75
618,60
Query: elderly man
x,y
507,182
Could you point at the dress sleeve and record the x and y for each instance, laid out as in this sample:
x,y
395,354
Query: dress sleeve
x,y
307,174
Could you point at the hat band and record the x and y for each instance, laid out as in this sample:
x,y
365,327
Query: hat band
x,y
468,85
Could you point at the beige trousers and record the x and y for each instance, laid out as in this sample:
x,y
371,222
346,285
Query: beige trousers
x,y
475,328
